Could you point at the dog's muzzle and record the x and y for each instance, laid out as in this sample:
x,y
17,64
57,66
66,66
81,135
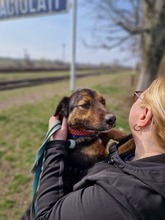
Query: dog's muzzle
x,y
110,119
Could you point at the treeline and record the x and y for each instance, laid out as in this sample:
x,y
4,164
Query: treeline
x,y
27,65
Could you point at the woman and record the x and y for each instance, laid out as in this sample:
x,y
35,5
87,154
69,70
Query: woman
x,y
116,188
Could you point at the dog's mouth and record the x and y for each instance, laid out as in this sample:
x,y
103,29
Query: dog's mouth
x,y
102,128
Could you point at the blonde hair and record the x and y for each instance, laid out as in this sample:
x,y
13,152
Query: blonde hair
x,y
154,97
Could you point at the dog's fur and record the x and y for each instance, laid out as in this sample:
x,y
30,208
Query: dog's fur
x,y
88,117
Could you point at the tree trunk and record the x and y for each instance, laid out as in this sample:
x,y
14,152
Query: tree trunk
x,y
153,42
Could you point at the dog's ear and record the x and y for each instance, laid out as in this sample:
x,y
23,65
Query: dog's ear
x,y
62,108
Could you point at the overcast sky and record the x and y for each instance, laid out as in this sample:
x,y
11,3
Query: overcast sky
x,y
49,37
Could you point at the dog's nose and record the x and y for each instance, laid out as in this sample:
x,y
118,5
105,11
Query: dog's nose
x,y
110,119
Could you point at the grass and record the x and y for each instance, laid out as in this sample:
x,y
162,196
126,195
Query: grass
x,y
24,125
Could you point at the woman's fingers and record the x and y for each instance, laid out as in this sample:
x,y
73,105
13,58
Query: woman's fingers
x,y
52,121
62,133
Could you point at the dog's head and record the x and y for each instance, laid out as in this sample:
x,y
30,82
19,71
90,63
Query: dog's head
x,y
86,109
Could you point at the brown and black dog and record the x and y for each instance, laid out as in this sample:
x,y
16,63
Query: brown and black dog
x,y
91,126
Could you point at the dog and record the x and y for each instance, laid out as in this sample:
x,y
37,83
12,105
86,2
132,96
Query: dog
x,y
91,127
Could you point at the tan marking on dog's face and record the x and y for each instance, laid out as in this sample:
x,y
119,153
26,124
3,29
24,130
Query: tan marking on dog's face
x,y
88,112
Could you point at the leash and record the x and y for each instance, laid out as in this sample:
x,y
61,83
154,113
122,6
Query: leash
x,y
37,166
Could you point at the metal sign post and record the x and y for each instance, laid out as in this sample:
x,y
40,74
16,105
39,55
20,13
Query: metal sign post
x,y
73,58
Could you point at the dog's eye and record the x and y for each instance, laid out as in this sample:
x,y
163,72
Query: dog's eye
x,y
86,105
103,102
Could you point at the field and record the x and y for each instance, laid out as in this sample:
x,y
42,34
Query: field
x,y
24,115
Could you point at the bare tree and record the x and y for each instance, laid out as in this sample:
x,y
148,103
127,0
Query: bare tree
x,y
133,23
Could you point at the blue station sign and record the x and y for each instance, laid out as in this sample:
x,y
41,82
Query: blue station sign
x,y
24,8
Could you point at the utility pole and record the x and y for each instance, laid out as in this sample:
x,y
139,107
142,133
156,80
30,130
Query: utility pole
x,y
73,61
63,53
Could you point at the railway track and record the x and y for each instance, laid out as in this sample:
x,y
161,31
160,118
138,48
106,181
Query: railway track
x,y
14,84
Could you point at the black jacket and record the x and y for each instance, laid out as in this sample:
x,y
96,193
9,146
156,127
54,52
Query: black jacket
x,y
112,189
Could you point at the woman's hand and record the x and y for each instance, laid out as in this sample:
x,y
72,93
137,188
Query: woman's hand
x,y
62,133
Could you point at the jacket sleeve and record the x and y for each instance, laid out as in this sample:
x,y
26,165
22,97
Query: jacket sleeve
x,y
91,202
51,186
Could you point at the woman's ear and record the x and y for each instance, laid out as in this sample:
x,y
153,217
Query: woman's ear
x,y
145,117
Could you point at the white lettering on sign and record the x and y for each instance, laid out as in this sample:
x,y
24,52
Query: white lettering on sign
x,y
41,5
31,8
23,6
57,3
11,8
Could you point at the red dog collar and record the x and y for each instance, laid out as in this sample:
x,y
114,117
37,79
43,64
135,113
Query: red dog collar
x,y
80,132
